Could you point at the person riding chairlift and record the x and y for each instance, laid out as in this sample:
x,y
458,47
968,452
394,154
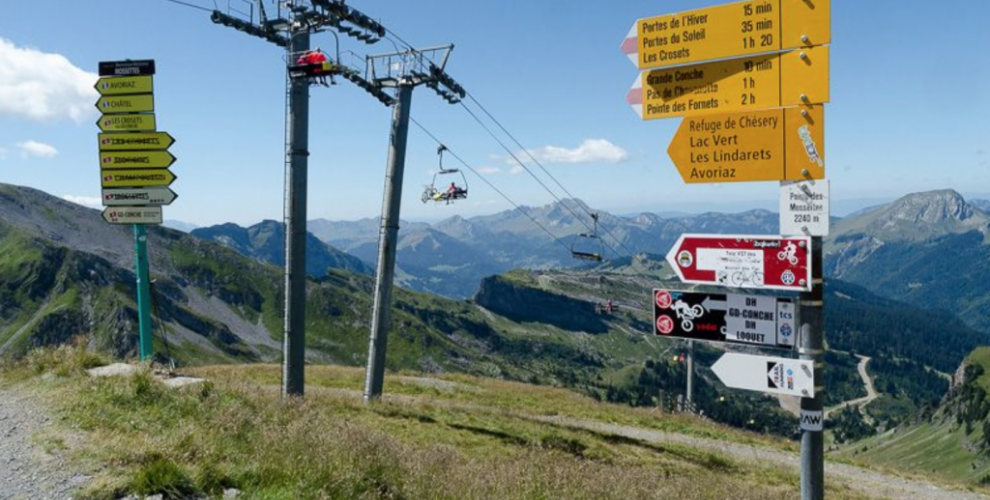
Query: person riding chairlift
x,y
314,58
453,192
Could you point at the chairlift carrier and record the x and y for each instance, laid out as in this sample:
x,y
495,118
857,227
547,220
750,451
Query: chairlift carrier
x,y
431,193
588,246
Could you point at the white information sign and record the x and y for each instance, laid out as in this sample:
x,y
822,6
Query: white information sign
x,y
792,377
812,420
786,324
751,319
804,208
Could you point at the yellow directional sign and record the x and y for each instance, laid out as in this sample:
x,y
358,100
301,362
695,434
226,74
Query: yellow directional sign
x,y
793,78
136,178
139,103
152,141
125,85
136,159
127,123
730,30
769,145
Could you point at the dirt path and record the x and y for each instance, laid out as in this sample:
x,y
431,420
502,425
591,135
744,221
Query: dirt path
x,y
20,331
871,483
28,472
871,392
792,404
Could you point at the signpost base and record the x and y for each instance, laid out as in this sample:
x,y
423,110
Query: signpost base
x,y
146,349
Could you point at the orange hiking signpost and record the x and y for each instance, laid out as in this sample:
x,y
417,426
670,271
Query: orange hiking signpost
x,y
751,83
730,30
770,145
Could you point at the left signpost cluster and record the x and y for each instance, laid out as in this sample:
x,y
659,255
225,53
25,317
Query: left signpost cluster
x,y
134,156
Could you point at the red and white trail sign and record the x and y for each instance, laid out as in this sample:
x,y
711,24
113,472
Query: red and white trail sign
x,y
765,262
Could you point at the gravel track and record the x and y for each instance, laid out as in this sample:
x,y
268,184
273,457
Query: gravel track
x,y
28,472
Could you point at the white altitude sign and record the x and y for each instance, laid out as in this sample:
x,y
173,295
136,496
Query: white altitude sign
x,y
804,208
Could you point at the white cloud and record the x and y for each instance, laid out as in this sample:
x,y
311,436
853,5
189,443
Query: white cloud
x,y
3,154
590,151
86,201
38,149
489,170
42,86
516,169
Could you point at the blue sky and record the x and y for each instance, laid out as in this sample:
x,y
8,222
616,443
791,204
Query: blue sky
x,y
910,106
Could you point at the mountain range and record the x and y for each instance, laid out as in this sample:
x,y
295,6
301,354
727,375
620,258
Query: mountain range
x,y
65,273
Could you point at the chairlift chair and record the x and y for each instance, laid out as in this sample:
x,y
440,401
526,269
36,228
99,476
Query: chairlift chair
x,y
448,196
588,246
300,68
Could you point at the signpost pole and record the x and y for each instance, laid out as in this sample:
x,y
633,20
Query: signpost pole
x,y
812,348
690,376
297,157
374,379
143,291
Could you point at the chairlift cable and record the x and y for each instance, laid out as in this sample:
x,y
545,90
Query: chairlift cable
x,y
545,171
194,6
486,181
391,34
530,172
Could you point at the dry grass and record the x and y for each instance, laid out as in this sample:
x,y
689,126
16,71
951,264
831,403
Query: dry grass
x,y
231,432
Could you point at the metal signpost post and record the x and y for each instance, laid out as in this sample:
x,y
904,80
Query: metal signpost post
x,y
133,157
749,78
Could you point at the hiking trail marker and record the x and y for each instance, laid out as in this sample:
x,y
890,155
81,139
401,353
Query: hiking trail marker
x,y
769,81
152,196
730,30
791,377
138,103
150,141
765,262
769,145
133,215
762,321
136,159
122,85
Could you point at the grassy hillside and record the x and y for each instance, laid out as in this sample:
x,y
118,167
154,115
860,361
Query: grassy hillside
x,y
949,441
453,437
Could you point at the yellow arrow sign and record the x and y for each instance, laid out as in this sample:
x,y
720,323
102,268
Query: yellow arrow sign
x,y
770,145
730,30
135,141
136,159
794,78
125,85
127,123
139,103
136,178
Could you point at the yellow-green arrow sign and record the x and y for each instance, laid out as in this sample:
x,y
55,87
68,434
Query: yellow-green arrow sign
x,y
152,141
127,123
125,85
136,159
140,103
136,178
